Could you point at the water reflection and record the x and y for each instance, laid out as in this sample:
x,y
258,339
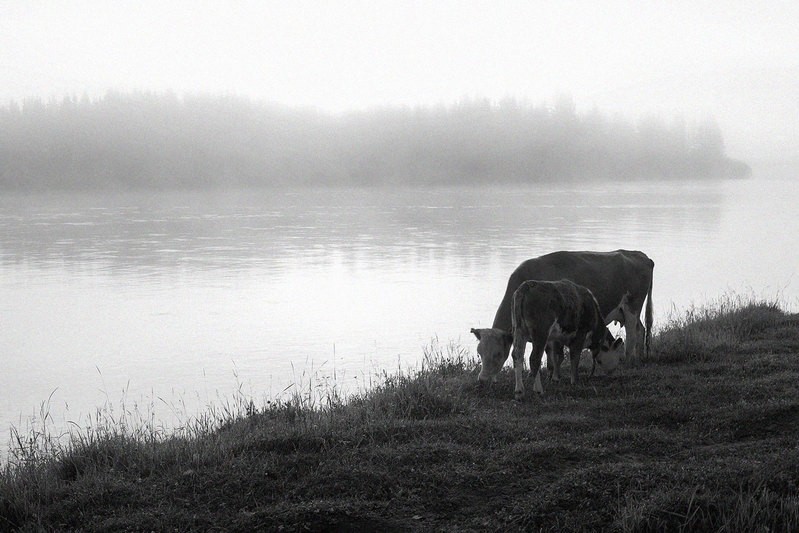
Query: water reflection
x,y
277,230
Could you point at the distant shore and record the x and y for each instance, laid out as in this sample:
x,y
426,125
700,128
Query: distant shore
x,y
701,436
160,141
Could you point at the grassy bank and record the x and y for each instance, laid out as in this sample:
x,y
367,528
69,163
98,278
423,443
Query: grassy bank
x,y
703,436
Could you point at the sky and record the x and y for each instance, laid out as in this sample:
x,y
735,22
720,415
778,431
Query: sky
x,y
737,61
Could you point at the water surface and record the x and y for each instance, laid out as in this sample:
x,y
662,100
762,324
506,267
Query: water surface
x,y
179,299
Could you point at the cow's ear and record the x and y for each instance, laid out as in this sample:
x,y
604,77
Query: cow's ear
x,y
476,333
618,342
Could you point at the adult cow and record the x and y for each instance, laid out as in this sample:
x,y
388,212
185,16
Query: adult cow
x,y
556,310
620,281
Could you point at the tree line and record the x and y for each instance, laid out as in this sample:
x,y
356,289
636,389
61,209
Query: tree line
x,y
144,140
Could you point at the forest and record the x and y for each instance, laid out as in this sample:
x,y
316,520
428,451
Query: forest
x,y
165,141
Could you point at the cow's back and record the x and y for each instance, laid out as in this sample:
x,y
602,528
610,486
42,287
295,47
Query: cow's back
x,y
608,275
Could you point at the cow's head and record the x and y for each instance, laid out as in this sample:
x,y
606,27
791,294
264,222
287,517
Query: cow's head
x,y
607,358
494,348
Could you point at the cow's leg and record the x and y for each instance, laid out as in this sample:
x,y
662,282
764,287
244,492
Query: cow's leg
x,y
519,342
594,353
634,329
641,340
550,361
575,350
559,353
554,359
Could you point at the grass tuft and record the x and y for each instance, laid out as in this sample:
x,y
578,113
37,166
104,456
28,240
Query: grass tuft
x,y
722,325
435,390
701,509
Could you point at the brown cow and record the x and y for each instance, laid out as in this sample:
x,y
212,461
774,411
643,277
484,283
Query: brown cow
x,y
620,281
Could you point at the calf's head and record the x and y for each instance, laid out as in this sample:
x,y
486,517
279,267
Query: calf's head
x,y
494,348
607,358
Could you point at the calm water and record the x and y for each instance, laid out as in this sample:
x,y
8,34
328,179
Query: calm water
x,y
180,299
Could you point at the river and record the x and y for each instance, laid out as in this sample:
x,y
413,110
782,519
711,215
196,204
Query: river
x,y
168,302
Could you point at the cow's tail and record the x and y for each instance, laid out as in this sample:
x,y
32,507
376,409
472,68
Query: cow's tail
x,y
648,338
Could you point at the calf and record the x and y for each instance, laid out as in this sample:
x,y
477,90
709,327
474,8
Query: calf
x,y
559,312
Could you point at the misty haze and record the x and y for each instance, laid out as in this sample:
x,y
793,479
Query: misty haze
x,y
150,141
241,258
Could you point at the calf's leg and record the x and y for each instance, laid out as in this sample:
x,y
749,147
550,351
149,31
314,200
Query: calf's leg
x,y
575,350
539,344
554,359
519,342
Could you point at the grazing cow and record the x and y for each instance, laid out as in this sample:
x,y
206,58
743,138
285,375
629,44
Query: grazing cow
x,y
556,311
620,281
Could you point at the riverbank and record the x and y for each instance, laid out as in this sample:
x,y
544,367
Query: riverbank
x,y
702,435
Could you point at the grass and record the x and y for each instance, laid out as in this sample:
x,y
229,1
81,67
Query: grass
x,y
703,436
728,323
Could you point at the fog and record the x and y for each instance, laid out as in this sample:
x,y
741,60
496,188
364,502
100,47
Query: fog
x,y
735,63
145,141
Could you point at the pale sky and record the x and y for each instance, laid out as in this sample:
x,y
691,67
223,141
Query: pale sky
x,y
628,55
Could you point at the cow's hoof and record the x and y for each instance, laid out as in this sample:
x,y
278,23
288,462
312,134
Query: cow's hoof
x,y
518,396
